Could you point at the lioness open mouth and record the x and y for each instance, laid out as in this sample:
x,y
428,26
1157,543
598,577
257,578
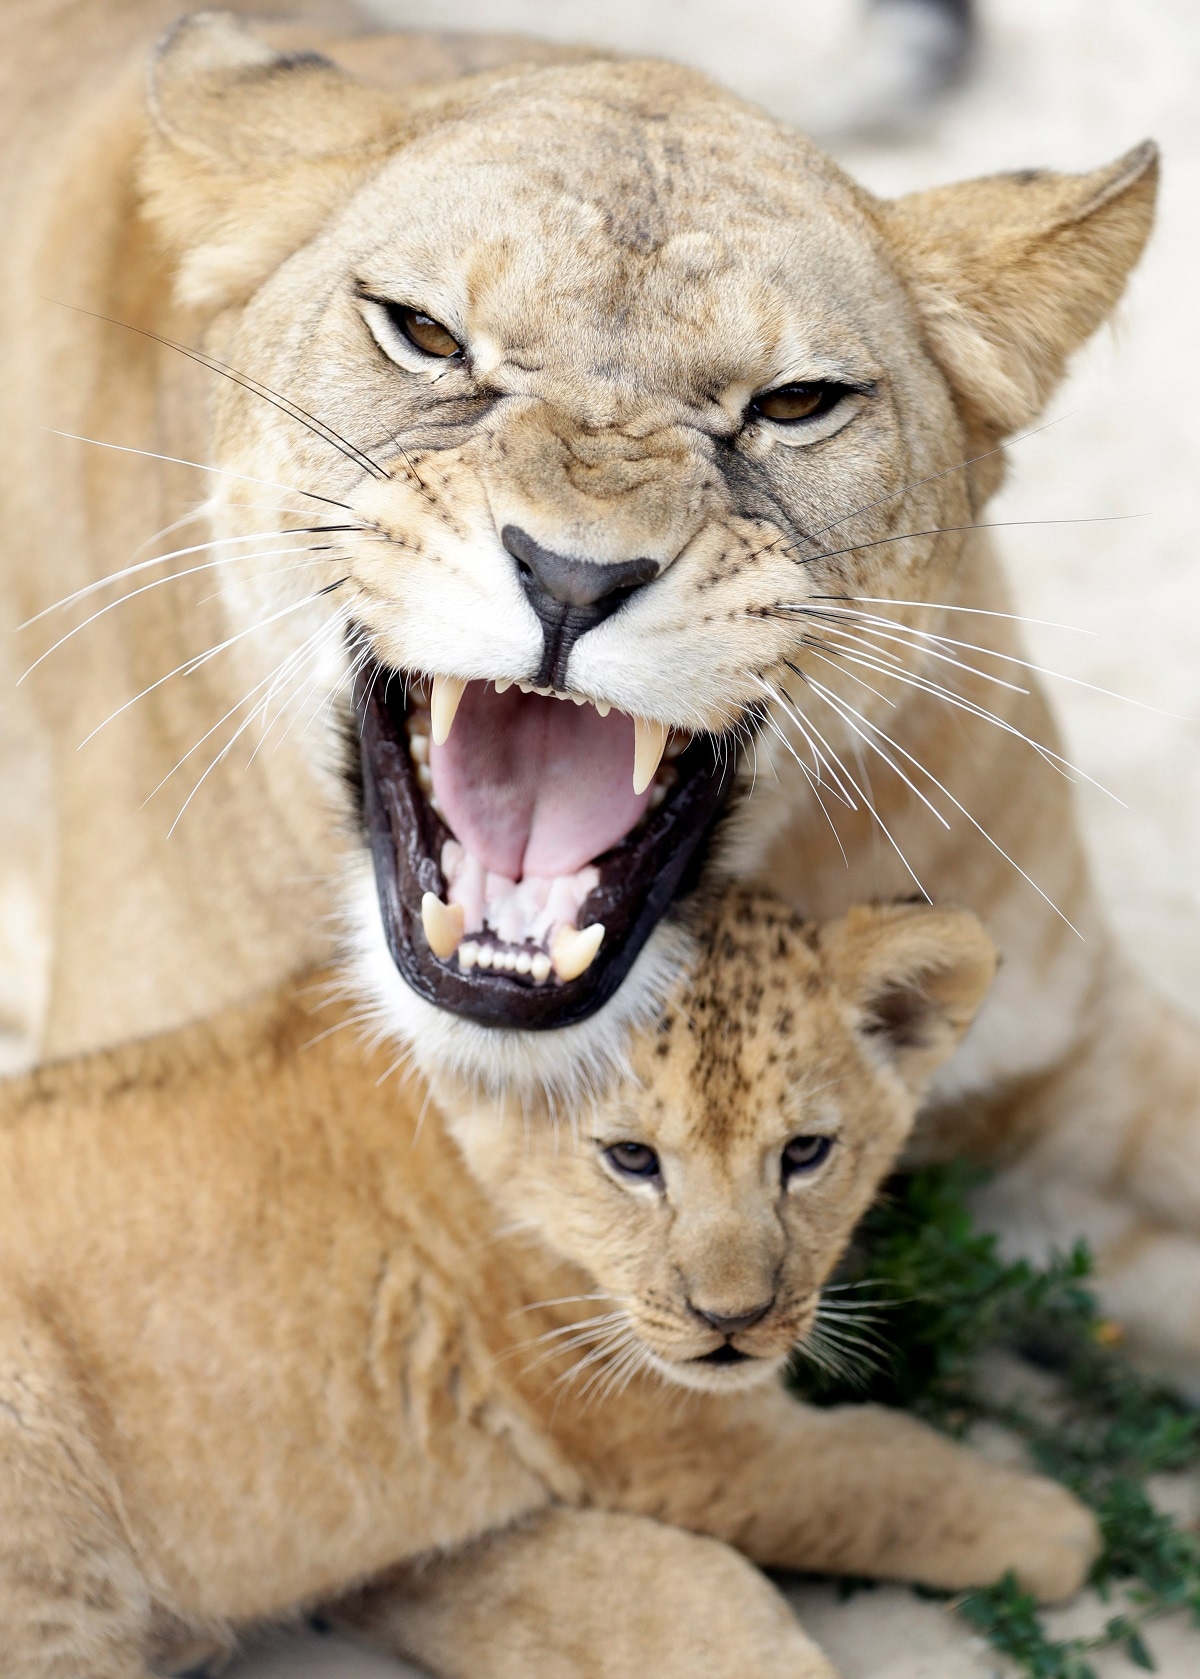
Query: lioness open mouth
x,y
525,846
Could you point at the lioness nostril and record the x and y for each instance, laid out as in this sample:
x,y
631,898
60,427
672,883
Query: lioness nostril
x,y
734,1323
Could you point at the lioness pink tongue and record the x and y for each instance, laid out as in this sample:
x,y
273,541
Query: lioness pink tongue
x,y
535,786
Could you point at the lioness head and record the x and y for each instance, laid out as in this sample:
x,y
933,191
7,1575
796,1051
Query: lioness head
x,y
583,389
711,1193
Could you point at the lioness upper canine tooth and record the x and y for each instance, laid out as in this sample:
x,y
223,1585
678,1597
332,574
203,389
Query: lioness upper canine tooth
x,y
503,684
649,742
603,707
447,694
574,950
444,925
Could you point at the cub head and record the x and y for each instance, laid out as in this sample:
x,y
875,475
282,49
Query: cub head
x,y
581,395
710,1194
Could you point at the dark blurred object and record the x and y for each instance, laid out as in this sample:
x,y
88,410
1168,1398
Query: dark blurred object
x,y
911,54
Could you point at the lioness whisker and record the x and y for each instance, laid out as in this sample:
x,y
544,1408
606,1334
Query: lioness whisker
x,y
946,472
198,466
948,530
247,382
1013,659
944,606
836,706
181,553
921,645
198,659
814,783
1056,761
862,787
296,653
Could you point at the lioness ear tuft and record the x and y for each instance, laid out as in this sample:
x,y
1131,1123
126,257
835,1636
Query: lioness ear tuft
x,y
250,150
1012,273
915,977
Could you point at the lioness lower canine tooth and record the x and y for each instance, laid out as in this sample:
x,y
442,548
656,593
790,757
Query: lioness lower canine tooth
x,y
447,695
649,743
444,925
574,950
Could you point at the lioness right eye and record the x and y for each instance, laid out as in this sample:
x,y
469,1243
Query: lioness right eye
x,y
633,1160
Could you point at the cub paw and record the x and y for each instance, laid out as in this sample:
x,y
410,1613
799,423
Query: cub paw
x,y
1046,1537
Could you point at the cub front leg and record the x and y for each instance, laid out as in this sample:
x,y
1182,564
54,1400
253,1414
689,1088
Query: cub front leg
x,y
856,1490
582,1594
73,1601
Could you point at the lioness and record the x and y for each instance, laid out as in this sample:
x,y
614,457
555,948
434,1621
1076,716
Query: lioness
x,y
265,1336
584,446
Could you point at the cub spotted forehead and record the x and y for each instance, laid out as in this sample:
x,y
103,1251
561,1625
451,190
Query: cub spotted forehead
x,y
774,1000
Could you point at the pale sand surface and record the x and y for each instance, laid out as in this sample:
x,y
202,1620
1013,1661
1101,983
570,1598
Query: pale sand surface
x,y
1068,83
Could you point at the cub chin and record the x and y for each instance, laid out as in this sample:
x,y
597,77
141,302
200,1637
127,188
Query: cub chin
x,y
273,1338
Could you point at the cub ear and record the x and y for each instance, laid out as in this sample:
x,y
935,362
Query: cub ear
x,y
915,977
1012,273
249,152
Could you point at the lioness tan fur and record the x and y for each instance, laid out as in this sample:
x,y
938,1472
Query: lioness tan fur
x,y
270,1339
632,253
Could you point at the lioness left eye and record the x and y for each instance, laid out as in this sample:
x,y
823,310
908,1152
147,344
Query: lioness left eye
x,y
790,404
805,1154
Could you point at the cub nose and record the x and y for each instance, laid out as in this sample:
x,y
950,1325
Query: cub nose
x,y
570,596
734,1323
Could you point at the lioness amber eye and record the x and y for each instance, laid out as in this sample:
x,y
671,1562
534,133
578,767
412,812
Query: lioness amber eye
x,y
797,402
805,1154
424,332
633,1160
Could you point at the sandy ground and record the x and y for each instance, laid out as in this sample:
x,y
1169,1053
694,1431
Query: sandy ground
x,y
1067,83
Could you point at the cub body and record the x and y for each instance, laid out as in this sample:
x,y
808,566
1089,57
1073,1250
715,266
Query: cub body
x,y
272,1339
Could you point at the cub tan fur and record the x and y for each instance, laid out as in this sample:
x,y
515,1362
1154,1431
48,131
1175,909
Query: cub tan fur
x,y
269,1338
626,324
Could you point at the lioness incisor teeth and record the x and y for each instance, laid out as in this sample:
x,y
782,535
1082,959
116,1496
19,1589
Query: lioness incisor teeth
x,y
573,951
447,695
649,744
444,925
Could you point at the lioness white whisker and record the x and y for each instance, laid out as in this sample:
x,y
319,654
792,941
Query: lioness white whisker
x,y
198,466
1056,761
178,554
978,826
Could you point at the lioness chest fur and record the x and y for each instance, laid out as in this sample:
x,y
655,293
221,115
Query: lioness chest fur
x,y
271,1338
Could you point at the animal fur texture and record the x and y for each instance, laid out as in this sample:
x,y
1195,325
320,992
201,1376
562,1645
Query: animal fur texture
x,y
845,582
272,1336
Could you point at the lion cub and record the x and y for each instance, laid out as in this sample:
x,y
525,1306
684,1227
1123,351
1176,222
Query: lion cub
x,y
497,1401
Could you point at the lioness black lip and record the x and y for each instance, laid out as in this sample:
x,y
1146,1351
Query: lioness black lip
x,y
639,877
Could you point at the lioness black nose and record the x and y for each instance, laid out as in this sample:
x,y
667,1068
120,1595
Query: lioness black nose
x,y
569,596
735,1323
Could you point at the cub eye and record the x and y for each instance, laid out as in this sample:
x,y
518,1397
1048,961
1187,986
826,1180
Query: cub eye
x,y
805,1154
423,332
633,1160
791,403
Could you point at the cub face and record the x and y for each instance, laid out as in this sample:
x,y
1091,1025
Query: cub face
x,y
601,391
711,1192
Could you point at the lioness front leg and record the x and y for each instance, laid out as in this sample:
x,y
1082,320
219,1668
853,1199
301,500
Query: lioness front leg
x,y
581,1594
863,1490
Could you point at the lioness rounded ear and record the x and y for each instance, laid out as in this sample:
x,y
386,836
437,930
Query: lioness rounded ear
x,y
250,150
915,977
1012,273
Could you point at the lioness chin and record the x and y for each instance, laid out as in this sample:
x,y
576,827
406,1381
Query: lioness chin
x,y
501,1401
595,457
